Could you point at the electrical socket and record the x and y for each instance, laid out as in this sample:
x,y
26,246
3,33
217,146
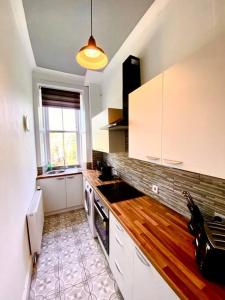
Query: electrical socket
x,y
219,215
114,172
155,188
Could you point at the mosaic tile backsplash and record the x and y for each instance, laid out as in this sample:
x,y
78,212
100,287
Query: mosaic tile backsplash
x,y
208,192
96,155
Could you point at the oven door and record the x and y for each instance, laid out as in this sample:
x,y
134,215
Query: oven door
x,y
102,225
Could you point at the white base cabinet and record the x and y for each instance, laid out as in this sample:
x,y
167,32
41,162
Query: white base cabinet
x,y
147,283
134,274
120,257
54,193
74,192
62,192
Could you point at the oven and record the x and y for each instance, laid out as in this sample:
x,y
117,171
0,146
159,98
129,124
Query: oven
x,y
101,220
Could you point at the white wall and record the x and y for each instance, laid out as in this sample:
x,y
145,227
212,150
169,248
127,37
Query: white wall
x,y
95,96
17,153
170,31
93,79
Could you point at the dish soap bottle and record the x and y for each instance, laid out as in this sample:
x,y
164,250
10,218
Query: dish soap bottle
x,y
49,167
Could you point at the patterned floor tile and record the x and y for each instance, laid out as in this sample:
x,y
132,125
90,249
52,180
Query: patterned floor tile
x,y
77,292
44,285
54,296
85,234
69,254
71,264
95,264
103,287
48,240
78,242
89,246
47,263
71,274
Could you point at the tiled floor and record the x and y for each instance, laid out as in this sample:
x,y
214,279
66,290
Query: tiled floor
x,y
71,264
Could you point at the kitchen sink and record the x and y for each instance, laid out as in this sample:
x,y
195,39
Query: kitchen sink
x,y
56,171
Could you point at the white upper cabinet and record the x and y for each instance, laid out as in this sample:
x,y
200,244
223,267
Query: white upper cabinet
x,y
145,121
100,138
107,140
193,113
177,118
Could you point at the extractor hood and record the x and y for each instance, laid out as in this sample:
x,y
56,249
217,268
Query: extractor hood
x,y
131,81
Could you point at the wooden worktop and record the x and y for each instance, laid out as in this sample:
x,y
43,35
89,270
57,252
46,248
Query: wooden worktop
x,y
70,171
162,235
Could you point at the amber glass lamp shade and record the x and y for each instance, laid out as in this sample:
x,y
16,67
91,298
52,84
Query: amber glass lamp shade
x,y
91,56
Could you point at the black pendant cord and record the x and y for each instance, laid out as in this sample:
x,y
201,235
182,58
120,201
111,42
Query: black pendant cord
x,y
91,17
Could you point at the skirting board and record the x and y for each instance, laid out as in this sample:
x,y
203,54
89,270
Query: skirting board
x,y
56,212
27,284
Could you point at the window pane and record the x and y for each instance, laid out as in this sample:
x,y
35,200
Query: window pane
x,y
56,149
70,146
55,118
69,121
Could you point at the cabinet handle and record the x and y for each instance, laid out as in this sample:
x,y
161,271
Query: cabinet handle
x,y
59,178
142,259
172,162
118,268
69,177
119,228
119,242
152,157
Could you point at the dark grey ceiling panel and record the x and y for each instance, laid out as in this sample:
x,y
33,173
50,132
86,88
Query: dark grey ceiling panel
x,y
59,28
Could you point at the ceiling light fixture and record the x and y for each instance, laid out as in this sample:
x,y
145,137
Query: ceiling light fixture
x,y
91,56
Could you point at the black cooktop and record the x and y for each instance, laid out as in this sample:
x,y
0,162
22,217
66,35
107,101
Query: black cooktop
x,y
105,178
119,191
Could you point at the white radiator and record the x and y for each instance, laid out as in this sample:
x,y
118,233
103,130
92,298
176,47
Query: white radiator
x,y
35,222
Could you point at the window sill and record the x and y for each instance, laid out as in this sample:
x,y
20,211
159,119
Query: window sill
x,y
68,171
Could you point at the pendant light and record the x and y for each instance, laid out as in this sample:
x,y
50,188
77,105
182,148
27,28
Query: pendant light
x,y
91,56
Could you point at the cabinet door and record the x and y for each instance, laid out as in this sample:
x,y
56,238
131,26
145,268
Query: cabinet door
x,y
54,193
121,257
147,283
193,112
104,140
145,121
100,137
74,193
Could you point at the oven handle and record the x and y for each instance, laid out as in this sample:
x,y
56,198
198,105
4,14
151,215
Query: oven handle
x,y
101,214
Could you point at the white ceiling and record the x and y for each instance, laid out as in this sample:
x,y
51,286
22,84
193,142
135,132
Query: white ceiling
x,y
59,28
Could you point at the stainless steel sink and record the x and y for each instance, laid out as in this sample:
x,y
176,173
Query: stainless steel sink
x,y
56,171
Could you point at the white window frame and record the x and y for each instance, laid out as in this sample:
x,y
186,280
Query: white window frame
x,y
78,135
